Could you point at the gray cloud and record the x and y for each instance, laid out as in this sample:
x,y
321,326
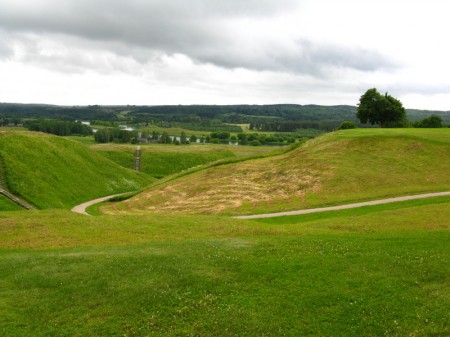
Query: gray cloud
x,y
419,88
305,57
206,31
6,49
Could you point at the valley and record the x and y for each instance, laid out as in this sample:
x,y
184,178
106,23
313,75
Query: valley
x,y
169,259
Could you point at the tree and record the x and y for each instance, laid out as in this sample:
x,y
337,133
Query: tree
x,y
183,138
347,125
430,122
165,138
102,136
378,109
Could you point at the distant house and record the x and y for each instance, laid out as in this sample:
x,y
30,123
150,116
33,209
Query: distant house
x,y
126,128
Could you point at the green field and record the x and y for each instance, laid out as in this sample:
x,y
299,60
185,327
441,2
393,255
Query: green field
x,y
357,273
161,160
159,164
339,167
371,271
53,172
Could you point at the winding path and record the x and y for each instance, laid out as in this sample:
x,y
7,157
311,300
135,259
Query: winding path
x,y
348,206
82,208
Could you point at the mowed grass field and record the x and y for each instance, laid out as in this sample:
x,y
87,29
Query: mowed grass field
x,y
340,167
53,172
374,271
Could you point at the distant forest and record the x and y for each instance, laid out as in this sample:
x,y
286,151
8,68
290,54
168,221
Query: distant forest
x,y
277,118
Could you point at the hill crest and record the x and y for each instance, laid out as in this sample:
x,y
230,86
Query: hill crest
x,y
339,167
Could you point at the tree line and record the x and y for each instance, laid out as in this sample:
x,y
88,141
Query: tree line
x,y
115,135
59,128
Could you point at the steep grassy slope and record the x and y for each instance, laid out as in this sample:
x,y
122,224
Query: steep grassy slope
x,y
53,172
8,205
340,167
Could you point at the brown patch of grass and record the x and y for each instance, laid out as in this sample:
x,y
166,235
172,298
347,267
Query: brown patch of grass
x,y
227,188
336,168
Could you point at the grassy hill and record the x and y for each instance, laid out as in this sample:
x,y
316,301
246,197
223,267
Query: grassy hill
x,y
339,167
53,172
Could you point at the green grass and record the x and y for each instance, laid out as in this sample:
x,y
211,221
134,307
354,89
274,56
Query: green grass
x,y
348,214
53,172
160,164
174,131
8,205
86,140
340,167
238,151
12,128
371,271
124,158
380,272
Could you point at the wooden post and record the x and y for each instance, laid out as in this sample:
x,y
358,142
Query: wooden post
x,y
138,159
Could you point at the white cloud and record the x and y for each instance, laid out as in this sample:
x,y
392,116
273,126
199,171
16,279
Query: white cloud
x,y
226,51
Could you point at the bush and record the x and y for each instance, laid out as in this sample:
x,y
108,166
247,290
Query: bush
x,y
429,122
347,125
255,142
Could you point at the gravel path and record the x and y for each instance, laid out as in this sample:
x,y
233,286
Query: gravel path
x,y
82,208
336,208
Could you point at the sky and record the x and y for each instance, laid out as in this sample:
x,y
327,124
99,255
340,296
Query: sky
x,y
154,52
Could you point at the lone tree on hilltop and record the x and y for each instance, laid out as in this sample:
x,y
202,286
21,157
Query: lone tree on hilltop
x,y
378,109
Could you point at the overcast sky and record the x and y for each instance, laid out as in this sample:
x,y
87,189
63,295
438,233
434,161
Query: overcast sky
x,y
149,52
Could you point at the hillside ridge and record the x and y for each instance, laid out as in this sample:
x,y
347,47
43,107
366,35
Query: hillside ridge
x,y
340,167
54,172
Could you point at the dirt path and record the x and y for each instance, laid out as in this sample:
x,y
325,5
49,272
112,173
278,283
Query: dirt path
x,y
336,208
82,208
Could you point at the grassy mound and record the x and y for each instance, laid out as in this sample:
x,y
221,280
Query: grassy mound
x,y
340,167
53,172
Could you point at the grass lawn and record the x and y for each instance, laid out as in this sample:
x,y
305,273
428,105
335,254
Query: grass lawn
x,y
362,272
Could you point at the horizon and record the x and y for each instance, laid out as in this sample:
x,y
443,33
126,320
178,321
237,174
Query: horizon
x,y
195,104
